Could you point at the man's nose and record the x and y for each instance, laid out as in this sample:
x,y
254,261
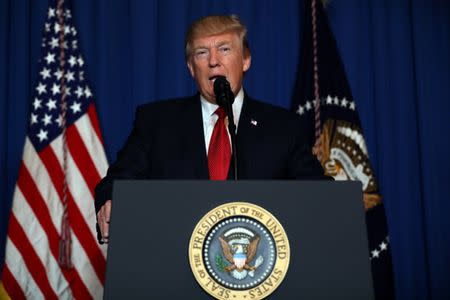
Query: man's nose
x,y
214,59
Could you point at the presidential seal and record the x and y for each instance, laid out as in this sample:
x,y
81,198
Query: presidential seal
x,y
239,251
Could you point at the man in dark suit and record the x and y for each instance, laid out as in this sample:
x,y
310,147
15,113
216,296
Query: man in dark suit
x,y
187,138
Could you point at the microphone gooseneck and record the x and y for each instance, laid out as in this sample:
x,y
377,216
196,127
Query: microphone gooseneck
x,y
225,99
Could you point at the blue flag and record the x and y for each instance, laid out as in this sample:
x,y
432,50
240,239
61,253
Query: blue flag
x,y
325,103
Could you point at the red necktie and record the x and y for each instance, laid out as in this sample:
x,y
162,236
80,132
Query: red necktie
x,y
219,152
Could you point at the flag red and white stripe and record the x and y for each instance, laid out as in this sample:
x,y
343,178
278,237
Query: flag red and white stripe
x,y
31,268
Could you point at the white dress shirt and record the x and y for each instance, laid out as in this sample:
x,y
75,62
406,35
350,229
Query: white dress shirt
x,y
210,118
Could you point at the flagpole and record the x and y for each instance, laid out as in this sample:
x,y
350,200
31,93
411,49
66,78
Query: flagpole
x,y
317,121
65,243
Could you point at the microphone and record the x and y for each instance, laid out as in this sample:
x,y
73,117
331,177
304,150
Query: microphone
x,y
223,92
225,99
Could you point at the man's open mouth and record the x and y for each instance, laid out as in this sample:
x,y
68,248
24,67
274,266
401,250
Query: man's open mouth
x,y
213,78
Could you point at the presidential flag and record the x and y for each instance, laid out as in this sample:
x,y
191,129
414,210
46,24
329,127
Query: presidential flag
x,y
324,101
51,248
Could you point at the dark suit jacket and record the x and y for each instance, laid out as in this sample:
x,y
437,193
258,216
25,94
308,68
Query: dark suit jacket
x,y
167,142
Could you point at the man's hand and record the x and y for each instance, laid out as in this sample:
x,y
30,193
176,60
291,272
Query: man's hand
x,y
103,217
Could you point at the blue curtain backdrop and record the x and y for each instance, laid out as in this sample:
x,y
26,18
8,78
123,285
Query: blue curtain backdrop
x,y
396,54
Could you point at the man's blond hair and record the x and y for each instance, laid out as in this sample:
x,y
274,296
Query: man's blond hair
x,y
213,25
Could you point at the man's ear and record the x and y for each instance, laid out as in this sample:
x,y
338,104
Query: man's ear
x,y
190,67
247,63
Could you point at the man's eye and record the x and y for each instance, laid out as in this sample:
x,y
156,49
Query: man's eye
x,y
225,49
201,53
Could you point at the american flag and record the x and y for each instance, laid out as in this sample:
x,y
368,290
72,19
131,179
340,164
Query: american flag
x,y
63,160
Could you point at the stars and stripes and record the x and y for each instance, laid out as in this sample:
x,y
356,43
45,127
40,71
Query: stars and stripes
x,y
63,158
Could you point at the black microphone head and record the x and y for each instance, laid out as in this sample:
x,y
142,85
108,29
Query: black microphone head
x,y
220,84
222,90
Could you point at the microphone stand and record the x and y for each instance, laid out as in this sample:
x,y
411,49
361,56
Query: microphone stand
x,y
232,130
225,99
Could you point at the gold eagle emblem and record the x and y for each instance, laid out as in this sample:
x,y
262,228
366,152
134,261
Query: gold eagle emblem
x,y
239,255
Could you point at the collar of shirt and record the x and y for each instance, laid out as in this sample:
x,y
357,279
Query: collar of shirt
x,y
210,118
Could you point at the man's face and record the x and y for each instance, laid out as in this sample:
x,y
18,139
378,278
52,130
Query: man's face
x,y
214,55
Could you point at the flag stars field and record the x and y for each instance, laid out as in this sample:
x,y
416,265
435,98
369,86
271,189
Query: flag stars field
x,y
66,30
42,135
33,119
57,28
59,120
67,91
329,100
58,74
41,88
45,73
50,58
51,104
51,12
75,107
80,61
53,43
47,120
72,61
79,91
308,105
69,76
87,92
37,103
55,89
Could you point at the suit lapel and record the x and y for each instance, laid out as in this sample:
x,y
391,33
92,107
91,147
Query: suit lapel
x,y
194,138
247,133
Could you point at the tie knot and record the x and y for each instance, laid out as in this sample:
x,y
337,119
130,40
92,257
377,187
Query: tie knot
x,y
220,112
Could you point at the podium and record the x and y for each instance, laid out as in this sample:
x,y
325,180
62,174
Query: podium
x,y
152,223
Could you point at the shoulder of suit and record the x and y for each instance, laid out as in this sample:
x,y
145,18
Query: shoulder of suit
x,y
164,109
167,104
271,111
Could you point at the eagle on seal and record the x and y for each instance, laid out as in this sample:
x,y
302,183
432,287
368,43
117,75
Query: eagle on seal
x,y
239,255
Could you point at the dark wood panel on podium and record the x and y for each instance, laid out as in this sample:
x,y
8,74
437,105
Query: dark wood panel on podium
x,y
152,223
